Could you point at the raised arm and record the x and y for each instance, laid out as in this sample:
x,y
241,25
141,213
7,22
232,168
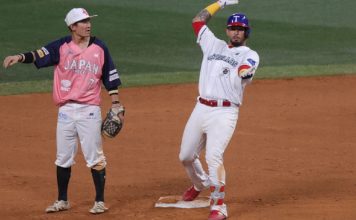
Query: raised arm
x,y
204,15
209,11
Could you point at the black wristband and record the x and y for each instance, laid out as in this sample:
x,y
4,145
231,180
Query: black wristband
x,y
115,102
28,57
21,57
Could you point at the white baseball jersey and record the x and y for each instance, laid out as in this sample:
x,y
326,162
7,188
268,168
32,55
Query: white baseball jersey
x,y
224,73
219,77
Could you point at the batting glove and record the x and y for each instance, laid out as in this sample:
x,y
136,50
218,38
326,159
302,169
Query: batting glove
x,y
223,3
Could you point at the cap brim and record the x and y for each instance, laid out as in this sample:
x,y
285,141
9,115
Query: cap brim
x,y
237,24
91,16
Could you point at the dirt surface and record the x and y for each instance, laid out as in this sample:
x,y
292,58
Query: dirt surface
x,y
293,155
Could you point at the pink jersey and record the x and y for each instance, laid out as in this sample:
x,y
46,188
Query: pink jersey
x,y
78,73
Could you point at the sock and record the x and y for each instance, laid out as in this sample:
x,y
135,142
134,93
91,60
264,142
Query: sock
x,y
63,176
99,182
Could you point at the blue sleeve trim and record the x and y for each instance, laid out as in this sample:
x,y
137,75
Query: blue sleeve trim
x,y
110,76
49,54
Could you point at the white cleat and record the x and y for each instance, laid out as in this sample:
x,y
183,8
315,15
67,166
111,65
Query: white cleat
x,y
58,206
98,208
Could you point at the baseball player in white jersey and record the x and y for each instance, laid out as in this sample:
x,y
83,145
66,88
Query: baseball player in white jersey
x,y
81,64
225,71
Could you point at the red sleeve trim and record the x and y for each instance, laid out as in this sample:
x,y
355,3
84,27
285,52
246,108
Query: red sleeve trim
x,y
197,26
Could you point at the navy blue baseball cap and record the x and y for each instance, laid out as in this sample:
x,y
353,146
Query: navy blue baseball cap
x,y
240,20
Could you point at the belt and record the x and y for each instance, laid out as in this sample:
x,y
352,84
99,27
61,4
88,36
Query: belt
x,y
216,103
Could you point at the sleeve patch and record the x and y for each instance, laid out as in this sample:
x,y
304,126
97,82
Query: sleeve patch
x,y
243,68
245,71
40,53
45,51
251,61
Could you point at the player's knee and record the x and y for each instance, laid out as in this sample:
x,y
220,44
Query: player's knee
x,y
63,162
182,158
99,166
186,158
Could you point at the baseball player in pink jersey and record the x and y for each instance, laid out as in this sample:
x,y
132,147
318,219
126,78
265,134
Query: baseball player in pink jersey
x,y
81,63
225,71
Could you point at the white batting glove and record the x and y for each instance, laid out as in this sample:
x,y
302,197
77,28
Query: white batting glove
x,y
223,3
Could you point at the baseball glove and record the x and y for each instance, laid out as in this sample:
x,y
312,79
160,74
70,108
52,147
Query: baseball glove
x,y
112,124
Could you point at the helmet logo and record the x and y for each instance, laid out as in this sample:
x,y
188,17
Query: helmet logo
x,y
238,17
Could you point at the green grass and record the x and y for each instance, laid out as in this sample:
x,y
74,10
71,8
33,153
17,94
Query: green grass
x,y
152,41
12,88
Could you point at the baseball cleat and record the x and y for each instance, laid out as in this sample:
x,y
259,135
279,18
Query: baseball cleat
x,y
98,208
216,215
190,194
58,206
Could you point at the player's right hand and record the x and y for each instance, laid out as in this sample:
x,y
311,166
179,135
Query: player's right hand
x,y
223,3
11,60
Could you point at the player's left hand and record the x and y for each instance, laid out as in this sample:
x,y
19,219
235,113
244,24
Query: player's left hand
x,y
113,121
120,111
223,3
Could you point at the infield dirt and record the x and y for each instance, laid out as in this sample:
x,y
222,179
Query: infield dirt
x,y
291,157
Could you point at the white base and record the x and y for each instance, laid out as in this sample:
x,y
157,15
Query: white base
x,y
177,202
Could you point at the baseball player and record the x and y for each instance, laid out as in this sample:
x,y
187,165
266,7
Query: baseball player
x,y
81,63
225,71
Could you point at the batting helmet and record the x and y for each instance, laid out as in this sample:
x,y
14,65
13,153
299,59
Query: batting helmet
x,y
239,19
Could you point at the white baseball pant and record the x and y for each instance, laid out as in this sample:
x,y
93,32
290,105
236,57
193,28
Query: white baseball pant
x,y
212,128
79,122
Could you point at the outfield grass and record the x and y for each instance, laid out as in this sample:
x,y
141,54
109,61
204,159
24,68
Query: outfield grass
x,y
152,41
11,88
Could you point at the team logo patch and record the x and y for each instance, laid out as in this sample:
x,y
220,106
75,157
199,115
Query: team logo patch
x,y
65,85
40,53
62,116
85,12
226,71
91,115
251,61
